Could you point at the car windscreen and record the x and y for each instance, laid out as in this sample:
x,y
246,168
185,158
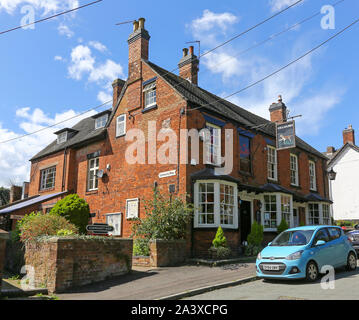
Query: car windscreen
x,y
293,238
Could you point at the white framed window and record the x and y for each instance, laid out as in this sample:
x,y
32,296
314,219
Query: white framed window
x,y
285,207
121,125
114,220
216,204
92,179
47,180
294,170
213,144
272,163
326,214
270,211
132,208
62,137
314,214
149,92
312,176
101,121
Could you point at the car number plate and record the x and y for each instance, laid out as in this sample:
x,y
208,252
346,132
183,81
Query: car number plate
x,y
271,267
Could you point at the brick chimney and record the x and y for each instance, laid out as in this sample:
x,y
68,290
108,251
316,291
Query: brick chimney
x,y
278,111
348,135
138,43
330,150
117,86
189,66
15,193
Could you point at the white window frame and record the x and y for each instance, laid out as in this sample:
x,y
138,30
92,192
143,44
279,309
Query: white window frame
x,y
44,176
294,170
213,146
312,217
217,205
93,169
286,211
100,122
272,161
62,137
326,220
111,215
150,95
278,197
121,120
312,176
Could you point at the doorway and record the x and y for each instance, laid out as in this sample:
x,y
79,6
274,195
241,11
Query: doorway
x,y
245,219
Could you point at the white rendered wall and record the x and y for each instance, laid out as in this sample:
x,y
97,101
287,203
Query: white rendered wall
x,y
345,188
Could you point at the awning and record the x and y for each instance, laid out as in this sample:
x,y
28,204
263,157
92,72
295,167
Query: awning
x,y
33,200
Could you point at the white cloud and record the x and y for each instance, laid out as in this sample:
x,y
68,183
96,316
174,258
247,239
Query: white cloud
x,y
14,156
64,30
83,64
277,5
98,46
59,58
207,27
104,96
47,6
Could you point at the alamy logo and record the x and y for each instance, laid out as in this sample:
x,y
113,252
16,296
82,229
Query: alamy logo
x,y
328,280
328,21
27,21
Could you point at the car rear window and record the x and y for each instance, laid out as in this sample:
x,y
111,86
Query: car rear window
x,y
334,233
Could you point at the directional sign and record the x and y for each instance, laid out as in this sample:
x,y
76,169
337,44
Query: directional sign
x,y
99,228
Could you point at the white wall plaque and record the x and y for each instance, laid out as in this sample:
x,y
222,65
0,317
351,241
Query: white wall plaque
x,y
167,174
132,208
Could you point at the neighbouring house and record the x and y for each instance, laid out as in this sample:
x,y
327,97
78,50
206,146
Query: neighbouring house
x,y
92,158
344,186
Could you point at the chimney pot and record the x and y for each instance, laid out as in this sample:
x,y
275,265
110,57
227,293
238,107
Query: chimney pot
x,y
135,25
141,22
185,52
191,50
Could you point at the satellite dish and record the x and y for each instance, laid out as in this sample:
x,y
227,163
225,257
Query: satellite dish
x,y
100,174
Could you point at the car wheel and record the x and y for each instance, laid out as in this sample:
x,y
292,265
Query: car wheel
x,y
351,262
312,272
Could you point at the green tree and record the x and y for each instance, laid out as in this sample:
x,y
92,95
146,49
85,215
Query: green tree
x,y
74,209
255,238
282,226
4,196
165,219
219,240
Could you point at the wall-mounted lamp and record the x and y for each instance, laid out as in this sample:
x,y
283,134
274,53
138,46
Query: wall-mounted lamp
x,y
332,174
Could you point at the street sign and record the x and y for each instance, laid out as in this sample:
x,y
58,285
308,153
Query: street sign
x,y
99,228
286,135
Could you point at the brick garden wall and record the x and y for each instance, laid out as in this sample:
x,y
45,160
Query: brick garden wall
x,y
62,263
3,239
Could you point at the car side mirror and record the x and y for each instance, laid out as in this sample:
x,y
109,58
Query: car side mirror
x,y
269,243
320,243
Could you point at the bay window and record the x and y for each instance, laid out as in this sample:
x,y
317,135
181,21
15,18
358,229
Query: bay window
x,y
270,211
216,204
314,215
326,214
285,206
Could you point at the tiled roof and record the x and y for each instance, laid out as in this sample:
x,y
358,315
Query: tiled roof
x,y
85,132
198,97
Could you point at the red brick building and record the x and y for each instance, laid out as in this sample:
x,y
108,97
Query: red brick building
x,y
264,185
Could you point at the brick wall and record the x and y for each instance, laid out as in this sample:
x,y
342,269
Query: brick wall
x,y
3,238
166,253
62,263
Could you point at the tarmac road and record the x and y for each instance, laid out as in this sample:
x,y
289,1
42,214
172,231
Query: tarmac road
x,y
346,288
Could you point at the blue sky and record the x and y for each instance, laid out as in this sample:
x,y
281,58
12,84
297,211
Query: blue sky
x,y
66,65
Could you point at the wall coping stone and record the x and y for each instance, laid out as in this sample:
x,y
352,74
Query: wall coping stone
x,y
4,235
168,241
70,239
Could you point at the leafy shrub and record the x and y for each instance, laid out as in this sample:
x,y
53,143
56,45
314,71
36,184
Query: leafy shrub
x,y
282,226
219,240
220,252
165,219
39,224
252,250
75,210
141,247
255,238
65,232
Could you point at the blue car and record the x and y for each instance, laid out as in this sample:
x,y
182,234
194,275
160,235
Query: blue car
x,y
300,253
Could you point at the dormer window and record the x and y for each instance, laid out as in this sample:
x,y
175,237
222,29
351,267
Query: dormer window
x,y
62,137
101,121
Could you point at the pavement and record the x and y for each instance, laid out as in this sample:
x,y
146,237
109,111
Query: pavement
x,y
346,288
12,288
151,284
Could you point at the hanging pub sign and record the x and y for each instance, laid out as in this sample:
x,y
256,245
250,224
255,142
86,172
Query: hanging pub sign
x,y
285,135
